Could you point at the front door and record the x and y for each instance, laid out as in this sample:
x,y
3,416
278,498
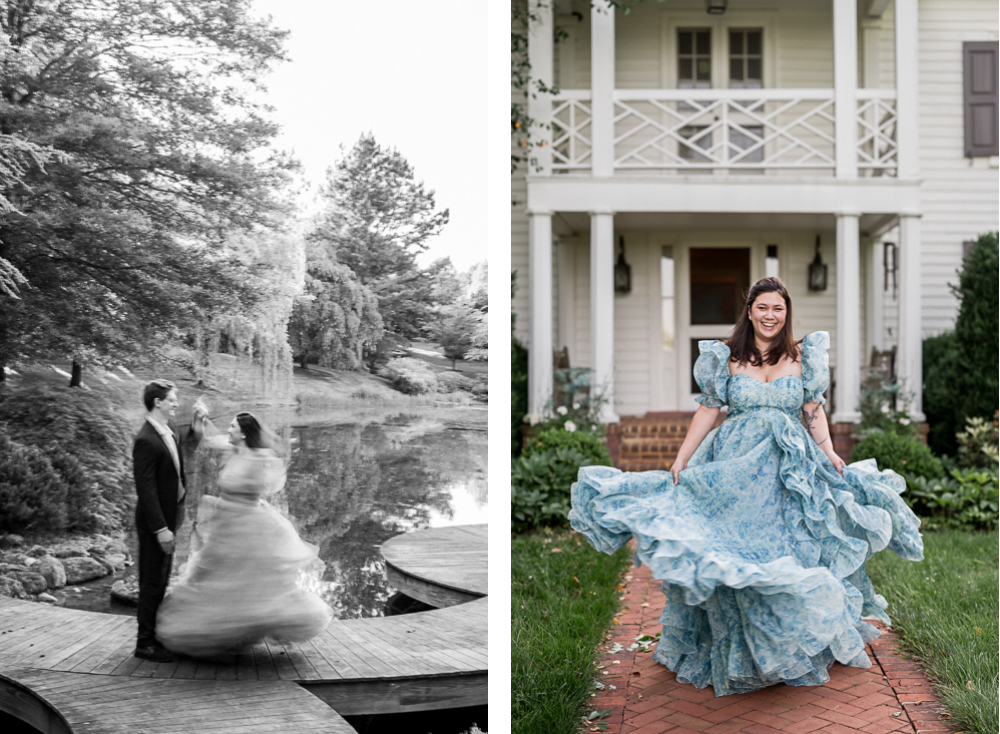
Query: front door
x,y
708,307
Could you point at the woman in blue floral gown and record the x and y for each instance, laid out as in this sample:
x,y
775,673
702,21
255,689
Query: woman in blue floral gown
x,y
759,532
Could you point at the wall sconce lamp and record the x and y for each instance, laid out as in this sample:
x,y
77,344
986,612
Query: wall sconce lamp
x,y
817,271
623,271
717,7
771,262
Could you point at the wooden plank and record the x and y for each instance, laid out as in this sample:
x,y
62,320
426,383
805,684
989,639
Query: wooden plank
x,y
110,643
332,638
401,696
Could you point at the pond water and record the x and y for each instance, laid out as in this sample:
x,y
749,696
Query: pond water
x,y
355,480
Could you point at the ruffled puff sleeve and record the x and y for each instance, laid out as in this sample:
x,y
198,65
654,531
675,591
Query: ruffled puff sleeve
x,y
815,367
711,372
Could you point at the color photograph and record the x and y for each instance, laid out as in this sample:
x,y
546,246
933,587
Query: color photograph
x,y
754,369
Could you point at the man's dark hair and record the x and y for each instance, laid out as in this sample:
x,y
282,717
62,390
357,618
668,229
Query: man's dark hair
x,y
156,390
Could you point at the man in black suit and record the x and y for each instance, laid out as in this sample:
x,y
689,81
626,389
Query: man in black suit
x,y
158,465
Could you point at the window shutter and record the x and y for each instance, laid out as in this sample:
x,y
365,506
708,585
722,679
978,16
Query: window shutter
x,y
982,137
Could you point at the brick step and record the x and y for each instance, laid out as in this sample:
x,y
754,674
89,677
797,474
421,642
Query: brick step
x,y
650,447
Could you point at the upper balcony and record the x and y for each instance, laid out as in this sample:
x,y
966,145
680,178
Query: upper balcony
x,y
783,89
682,131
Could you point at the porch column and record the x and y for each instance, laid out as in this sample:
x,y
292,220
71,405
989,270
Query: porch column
x,y
874,301
540,313
602,88
602,310
845,86
908,352
907,108
848,368
541,39
567,296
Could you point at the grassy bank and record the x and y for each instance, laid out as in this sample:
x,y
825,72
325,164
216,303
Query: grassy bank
x,y
945,610
563,597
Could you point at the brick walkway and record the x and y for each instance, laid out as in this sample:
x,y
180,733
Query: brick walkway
x,y
891,696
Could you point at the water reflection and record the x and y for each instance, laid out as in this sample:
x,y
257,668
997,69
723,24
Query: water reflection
x,y
354,482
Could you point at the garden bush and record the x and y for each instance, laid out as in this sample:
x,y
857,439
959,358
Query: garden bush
x,y
977,444
410,376
32,492
905,456
454,382
88,443
587,444
518,393
964,500
960,369
540,486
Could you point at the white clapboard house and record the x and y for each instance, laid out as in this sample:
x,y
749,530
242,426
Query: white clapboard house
x,y
848,146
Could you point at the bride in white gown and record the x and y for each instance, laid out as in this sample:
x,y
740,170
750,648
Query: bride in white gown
x,y
241,585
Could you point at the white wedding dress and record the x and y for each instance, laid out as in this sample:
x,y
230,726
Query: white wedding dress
x,y
243,584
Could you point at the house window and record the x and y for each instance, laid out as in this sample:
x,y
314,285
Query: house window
x,y
744,138
699,139
719,279
694,58
746,58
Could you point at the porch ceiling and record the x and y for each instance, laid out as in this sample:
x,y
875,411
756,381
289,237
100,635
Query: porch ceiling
x,y
572,223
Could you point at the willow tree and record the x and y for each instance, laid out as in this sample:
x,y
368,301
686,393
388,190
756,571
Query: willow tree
x,y
122,240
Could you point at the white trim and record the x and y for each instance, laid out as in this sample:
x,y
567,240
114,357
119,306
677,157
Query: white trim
x,y
848,374
845,86
602,85
602,311
741,194
907,89
540,310
908,354
541,40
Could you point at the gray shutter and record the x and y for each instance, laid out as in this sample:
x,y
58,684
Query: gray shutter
x,y
982,137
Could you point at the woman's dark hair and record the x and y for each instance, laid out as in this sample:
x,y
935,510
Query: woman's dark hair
x,y
743,346
252,433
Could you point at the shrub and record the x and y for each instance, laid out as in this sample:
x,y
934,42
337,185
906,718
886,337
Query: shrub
x,y
940,364
540,486
960,369
410,376
586,443
82,425
883,408
32,492
906,456
967,500
454,382
977,444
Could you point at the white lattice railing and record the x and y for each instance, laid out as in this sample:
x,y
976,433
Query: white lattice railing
x,y
735,130
877,131
571,131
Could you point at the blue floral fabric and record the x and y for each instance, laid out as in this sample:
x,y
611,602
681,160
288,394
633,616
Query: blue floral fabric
x,y
762,545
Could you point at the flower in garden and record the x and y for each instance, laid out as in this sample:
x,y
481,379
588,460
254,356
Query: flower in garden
x,y
904,421
570,426
885,408
576,406
561,410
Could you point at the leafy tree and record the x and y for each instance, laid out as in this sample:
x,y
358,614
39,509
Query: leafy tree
x,y
122,239
455,329
377,219
336,317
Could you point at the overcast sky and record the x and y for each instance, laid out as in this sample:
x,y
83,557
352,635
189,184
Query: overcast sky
x,y
411,73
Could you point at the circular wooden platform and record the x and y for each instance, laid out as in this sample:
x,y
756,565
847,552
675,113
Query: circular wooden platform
x,y
439,566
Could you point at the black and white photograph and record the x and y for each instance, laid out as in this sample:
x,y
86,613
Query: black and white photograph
x,y
245,366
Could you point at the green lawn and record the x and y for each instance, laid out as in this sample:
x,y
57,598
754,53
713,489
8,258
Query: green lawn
x,y
945,610
563,597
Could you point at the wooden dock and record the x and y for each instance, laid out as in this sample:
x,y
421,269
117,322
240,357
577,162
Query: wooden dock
x,y
74,670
